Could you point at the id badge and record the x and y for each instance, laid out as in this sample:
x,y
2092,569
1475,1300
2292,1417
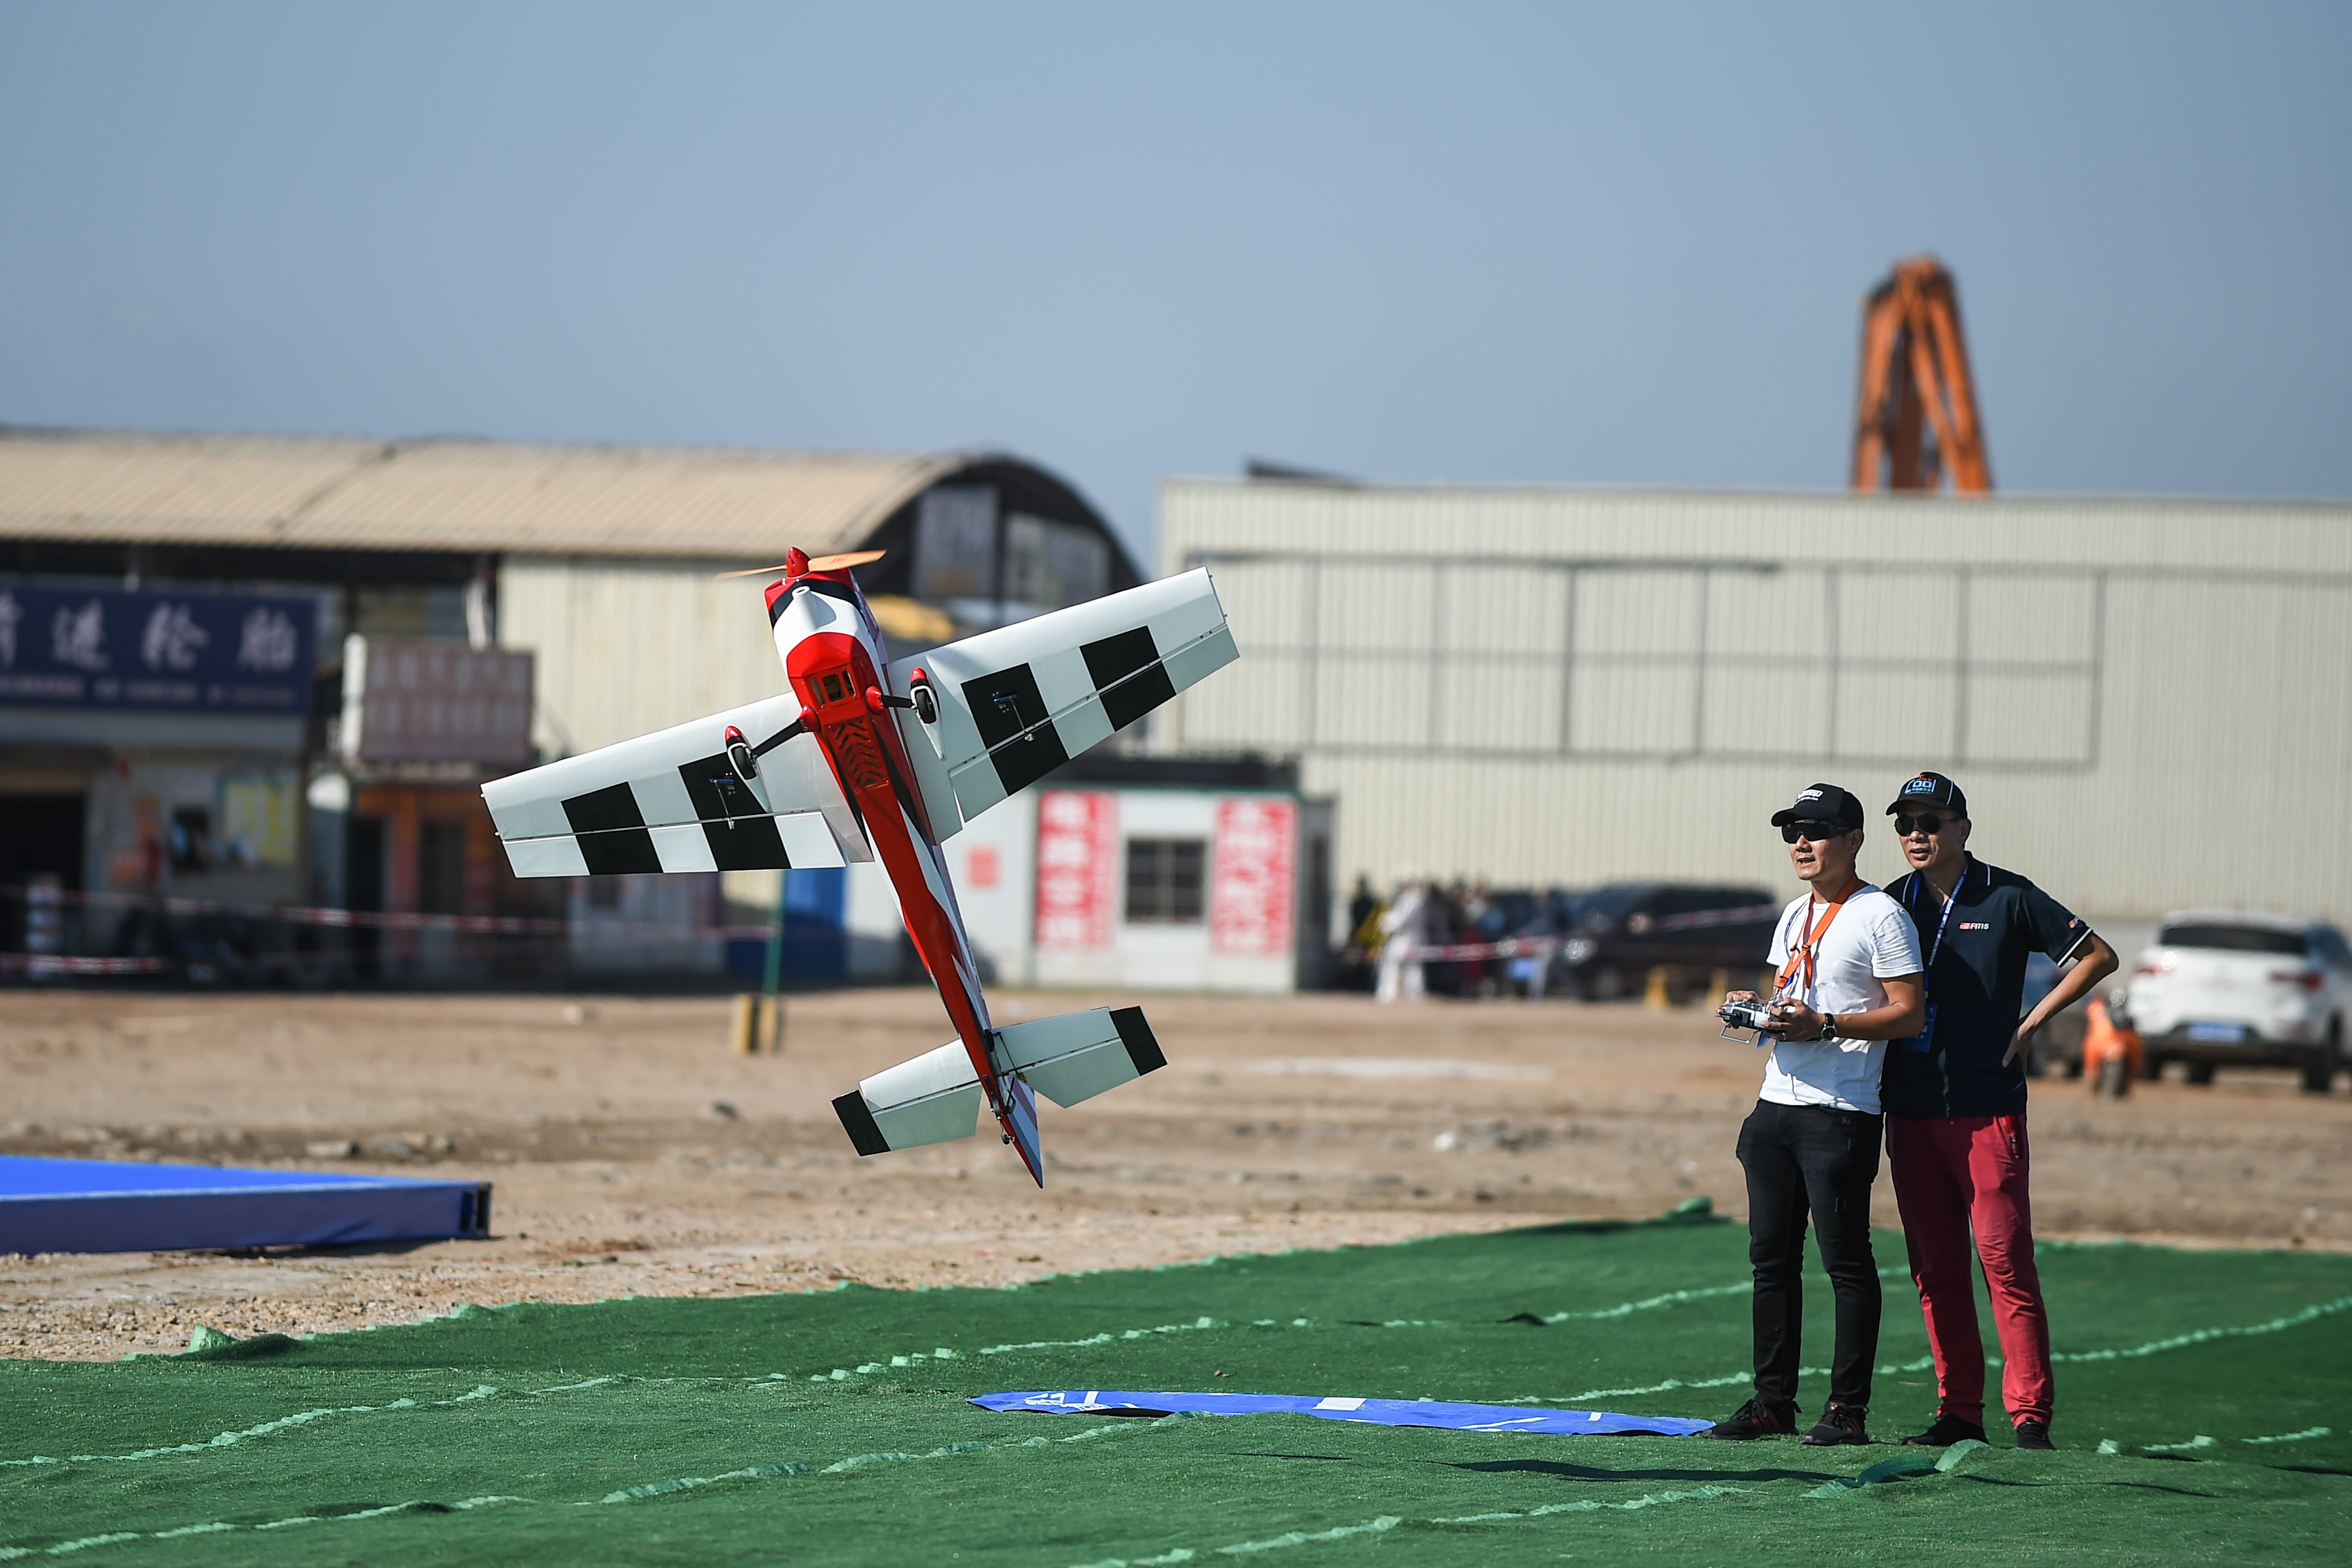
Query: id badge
x,y
1926,1036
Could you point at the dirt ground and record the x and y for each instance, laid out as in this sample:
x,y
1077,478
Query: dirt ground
x,y
634,1155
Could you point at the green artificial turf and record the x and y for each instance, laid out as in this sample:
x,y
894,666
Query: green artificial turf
x,y
2200,1417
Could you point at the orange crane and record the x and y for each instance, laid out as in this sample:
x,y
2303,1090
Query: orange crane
x,y
1915,380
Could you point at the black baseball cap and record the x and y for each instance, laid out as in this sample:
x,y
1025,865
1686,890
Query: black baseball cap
x,y
1822,803
1930,789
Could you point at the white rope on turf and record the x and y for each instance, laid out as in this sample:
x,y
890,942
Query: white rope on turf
x,y
266,1430
1671,1384
1602,1315
2305,1436
2203,1336
909,1359
2310,1315
623,1495
112,1538
2109,1446
1387,1521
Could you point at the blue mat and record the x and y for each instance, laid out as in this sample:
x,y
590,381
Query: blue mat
x,y
109,1206
1378,1412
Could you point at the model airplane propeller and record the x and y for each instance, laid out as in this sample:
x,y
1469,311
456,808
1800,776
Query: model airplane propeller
x,y
822,563
864,758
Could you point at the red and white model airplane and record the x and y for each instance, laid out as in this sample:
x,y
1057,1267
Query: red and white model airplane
x,y
866,757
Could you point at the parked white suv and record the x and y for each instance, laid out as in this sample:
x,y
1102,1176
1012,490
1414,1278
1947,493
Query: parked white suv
x,y
2234,986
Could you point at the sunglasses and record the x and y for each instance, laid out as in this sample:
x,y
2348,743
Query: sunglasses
x,y
1819,832
1926,822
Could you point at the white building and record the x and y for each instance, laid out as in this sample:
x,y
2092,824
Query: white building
x,y
2149,702
1134,873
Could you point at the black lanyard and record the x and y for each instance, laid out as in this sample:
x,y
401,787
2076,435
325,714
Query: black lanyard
x,y
1928,970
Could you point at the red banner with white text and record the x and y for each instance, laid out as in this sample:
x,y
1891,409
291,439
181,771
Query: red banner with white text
x,y
1251,893
1078,848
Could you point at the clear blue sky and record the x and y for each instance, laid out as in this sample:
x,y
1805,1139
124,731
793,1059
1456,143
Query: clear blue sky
x,y
1472,241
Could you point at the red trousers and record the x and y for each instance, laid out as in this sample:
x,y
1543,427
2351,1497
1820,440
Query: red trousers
x,y
1954,1175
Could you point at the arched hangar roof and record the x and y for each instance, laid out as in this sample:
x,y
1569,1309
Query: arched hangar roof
x,y
335,493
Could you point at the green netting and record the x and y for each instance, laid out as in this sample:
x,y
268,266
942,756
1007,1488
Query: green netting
x,y
2200,1411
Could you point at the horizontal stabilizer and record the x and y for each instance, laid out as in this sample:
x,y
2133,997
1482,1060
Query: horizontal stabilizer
x,y
934,1099
1078,1055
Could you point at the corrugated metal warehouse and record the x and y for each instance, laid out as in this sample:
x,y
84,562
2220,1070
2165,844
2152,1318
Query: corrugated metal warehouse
x,y
2149,701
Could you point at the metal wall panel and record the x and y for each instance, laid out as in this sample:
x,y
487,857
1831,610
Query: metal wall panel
x,y
2149,702
626,648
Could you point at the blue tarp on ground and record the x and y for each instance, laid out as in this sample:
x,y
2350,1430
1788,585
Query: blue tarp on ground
x,y
1379,1412
111,1206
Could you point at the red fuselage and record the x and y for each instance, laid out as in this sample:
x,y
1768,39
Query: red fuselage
x,y
832,651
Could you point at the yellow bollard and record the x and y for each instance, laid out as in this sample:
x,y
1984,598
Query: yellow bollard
x,y
757,1025
1658,996
1719,987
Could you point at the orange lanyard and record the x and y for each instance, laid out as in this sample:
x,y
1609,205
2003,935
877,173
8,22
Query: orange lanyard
x,y
1801,955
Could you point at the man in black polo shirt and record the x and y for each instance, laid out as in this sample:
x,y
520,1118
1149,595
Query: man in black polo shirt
x,y
1954,1100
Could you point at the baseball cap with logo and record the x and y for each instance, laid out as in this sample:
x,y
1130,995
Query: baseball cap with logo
x,y
1930,789
1822,803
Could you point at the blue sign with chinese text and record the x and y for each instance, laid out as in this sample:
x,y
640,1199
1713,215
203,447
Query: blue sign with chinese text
x,y
186,652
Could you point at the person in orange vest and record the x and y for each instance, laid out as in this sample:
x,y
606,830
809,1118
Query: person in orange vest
x,y
2112,1051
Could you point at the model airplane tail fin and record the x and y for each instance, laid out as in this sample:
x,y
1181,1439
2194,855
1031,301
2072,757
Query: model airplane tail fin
x,y
936,1098
1078,1055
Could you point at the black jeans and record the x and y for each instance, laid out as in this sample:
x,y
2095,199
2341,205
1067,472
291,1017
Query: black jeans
x,y
1803,1159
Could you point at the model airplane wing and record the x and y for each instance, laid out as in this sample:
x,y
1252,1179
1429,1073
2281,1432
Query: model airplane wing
x,y
1016,703
673,801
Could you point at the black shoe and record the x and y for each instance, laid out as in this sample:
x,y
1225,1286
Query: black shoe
x,y
1760,1417
1947,1430
2033,1434
1839,1423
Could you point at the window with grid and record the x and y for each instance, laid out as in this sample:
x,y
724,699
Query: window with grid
x,y
1164,881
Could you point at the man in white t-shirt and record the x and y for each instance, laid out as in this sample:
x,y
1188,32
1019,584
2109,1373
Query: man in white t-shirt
x,y
1847,959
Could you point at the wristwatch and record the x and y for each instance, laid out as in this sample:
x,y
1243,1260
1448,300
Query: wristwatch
x,y
1829,1026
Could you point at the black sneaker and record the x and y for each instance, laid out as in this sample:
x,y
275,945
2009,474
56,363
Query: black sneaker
x,y
1839,1423
1760,1417
2033,1434
1946,1431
